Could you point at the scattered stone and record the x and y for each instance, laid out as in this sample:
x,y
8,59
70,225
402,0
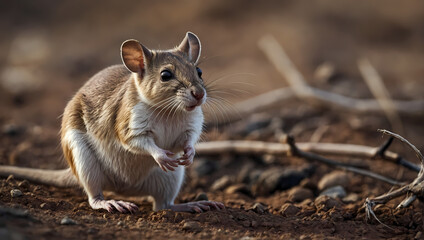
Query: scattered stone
x,y
23,184
43,206
418,235
351,198
243,175
326,203
11,129
308,183
201,197
67,221
289,210
259,208
221,183
333,179
10,178
335,192
238,188
121,223
192,226
254,176
15,193
298,194
275,179
202,167
36,189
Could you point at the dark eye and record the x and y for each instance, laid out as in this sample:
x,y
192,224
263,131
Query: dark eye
x,y
199,72
166,75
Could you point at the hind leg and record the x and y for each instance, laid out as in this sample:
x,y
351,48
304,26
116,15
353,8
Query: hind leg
x,y
164,188
88,170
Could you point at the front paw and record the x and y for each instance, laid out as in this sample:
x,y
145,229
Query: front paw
x,y
187,158
165,160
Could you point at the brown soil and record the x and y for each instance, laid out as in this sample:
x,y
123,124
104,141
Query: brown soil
x,y
78,38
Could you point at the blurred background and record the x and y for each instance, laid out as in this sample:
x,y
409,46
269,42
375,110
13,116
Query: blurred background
x,y
48,49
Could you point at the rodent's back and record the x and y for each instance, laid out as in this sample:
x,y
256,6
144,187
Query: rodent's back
x,y
97,101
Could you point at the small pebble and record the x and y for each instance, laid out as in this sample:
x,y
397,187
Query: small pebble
x,y
238,188
298,194
192,226
289,210
121,223
326,203
259,208
351,198
67,221
15,193
221,183
335,192
333,179
275,179
23,184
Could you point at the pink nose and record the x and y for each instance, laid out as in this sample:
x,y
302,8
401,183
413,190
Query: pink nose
x,y
198,95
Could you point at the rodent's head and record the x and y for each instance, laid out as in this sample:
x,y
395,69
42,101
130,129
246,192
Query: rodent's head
x,y
167,79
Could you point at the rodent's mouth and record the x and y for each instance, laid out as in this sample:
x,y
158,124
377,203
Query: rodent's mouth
x,y
193,105
190,108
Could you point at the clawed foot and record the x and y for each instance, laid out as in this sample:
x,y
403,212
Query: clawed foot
x,y
200,206
113,205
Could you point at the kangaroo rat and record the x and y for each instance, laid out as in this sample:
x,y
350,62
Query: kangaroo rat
x,y
131,129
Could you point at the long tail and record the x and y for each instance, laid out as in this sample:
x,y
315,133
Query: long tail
x,y
58,178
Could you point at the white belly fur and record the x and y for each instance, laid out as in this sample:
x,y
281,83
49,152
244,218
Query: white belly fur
x,y
125,172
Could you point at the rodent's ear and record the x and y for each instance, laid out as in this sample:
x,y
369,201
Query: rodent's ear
x,y
134,55
191,46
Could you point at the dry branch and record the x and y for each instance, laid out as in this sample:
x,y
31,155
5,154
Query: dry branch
x,y
333,149
315,157
380,92
411,191
300,88
310,151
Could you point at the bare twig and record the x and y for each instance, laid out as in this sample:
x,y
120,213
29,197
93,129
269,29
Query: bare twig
x,y
333,149
417,152
315,157
300,88
308,151
380,92
412,191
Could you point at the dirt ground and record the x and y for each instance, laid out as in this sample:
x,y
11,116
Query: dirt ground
x,y
49,49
